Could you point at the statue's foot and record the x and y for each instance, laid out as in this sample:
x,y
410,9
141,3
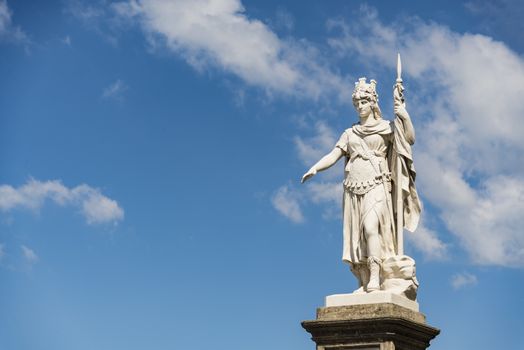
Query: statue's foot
x,y
373,286
359,290
374,274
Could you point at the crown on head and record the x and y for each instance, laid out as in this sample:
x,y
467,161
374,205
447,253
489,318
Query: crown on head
x,y
365,90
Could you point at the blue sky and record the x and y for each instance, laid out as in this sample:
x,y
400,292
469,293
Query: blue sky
x,y
151,152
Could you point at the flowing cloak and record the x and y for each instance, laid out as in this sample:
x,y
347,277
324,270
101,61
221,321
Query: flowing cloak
x,y
371,153
401,152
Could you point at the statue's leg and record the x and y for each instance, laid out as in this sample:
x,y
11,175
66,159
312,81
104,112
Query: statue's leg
x,y
371,229
371,232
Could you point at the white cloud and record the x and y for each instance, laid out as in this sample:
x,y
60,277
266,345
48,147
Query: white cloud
x,y
325,192
492,228
311,149
115,90
287,203
7,30
218,33
67,40
94,206
2,251
29,255
85,11
470,149
96,15
97,208
462,280
5,16
284,19
426,241
288,200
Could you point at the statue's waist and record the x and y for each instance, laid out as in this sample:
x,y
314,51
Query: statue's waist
x,y
367,155
363,185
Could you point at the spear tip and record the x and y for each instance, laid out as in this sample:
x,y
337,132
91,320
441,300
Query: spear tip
x,y
399,68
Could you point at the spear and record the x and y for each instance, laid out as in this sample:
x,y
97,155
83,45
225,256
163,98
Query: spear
x,y
400,87
400,202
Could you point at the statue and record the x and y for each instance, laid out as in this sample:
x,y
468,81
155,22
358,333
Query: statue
x,y
380,198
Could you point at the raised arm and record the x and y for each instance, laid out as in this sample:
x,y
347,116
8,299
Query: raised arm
x,y
326,162
401,112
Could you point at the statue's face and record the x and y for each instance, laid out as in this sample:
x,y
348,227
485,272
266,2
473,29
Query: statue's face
x,y
363,107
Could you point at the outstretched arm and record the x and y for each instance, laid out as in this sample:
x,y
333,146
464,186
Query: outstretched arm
x,y
326,162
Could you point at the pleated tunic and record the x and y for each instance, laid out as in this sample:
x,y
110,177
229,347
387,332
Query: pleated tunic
x,y
367,189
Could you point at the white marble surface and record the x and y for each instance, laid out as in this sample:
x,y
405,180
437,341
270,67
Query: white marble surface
x,y
380,199
370,298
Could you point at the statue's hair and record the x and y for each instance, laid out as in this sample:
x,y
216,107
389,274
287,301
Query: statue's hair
x,y
367,91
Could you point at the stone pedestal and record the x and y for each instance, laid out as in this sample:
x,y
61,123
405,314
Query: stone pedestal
x,y
377,326
378,297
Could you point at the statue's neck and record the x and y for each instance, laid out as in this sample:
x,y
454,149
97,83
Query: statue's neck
x,y
368,121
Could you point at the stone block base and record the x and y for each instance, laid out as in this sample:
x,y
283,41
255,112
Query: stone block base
x,y
383,326
378,297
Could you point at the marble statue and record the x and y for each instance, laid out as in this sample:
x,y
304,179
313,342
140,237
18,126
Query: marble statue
x,y
380,198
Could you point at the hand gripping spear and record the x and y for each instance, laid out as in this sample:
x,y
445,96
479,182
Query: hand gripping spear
x,y
398,98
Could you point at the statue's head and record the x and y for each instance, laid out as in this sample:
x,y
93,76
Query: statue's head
x,y
365,99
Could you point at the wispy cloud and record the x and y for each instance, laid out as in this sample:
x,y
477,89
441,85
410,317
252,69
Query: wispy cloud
x,y
67,40
29,255
2,251
284,19
462,280
94,206
499,16
97,16
219,34
427,242
8,31
5,16
287,202
311,148
115,91
87,11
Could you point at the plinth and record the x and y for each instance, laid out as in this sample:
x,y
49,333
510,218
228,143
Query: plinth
x,y
370,326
